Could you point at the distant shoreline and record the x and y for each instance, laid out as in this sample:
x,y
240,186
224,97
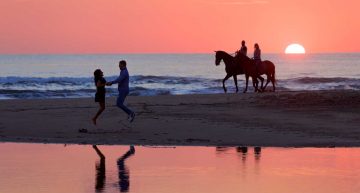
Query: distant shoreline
x,y
280,119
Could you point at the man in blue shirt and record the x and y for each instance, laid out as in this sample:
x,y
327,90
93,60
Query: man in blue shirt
x,y
123,88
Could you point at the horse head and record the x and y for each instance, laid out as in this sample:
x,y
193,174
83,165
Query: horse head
x,y
218,57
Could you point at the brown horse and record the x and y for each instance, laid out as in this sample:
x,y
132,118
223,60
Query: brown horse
x,y
234,67
250,69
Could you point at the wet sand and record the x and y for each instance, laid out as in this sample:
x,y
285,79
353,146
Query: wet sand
x,y
281,119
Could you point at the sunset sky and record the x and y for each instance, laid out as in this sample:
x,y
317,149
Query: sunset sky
x,y
169,26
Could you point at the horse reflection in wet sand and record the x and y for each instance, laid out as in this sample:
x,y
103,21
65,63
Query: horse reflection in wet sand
x,y
241,64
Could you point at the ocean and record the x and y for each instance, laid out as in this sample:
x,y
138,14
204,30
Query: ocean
x,y
71,76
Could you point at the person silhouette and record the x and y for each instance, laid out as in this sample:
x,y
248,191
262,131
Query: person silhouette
x,y
123,88
100,83
100,171
243,49
257,56
124,180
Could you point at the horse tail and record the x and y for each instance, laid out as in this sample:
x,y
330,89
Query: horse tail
x,y
273,75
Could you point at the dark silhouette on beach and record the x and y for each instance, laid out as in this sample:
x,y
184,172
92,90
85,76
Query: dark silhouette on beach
x,y
243,49
241,64
231,68
255,68
123,87
257,56
100,83
124,180
100,171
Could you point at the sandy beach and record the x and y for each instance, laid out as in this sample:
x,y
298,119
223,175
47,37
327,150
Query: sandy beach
x,y
280,119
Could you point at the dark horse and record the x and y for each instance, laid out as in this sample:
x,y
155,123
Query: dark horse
x,y
233,67
241,64
250,69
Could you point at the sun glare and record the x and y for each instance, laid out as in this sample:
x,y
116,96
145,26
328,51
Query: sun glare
x,y
295,49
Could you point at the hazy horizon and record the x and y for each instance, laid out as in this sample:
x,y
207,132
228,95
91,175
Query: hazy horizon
x,y
174,53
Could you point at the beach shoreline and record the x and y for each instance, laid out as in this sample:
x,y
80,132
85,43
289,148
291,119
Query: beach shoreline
x,y
281,119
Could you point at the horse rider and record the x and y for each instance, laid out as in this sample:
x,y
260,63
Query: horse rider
x,y
243,49
257,56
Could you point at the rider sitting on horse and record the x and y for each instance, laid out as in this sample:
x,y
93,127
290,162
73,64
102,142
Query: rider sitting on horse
x,y
257,56
243,49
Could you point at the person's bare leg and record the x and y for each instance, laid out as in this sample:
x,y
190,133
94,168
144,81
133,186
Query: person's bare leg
x,y
102,108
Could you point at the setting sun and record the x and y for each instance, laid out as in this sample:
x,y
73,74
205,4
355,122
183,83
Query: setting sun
x,y
295,49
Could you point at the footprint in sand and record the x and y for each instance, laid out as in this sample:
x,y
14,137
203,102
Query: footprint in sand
x,y
83,130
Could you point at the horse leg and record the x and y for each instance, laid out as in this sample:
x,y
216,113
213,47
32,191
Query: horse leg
x,y
255,83
268,77
235,80
247,81
226,77
262,82
273,80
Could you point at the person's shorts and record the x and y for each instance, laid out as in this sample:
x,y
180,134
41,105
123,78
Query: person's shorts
x,y
100,97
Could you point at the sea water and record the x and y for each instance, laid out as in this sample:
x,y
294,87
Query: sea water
x,y
71,76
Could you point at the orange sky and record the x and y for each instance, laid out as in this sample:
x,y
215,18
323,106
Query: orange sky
x,y
169,26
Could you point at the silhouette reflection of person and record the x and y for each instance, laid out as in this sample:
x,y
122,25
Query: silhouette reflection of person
x,y
124,181
100,171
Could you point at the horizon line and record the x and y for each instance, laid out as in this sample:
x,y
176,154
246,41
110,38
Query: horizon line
x,y
163,53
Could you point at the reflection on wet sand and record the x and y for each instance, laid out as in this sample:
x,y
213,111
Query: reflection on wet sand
x,y
241,150
177,170
257,152
221,149
124,181
100,171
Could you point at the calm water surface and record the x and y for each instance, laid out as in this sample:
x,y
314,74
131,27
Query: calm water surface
x,y
80,168
71,76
